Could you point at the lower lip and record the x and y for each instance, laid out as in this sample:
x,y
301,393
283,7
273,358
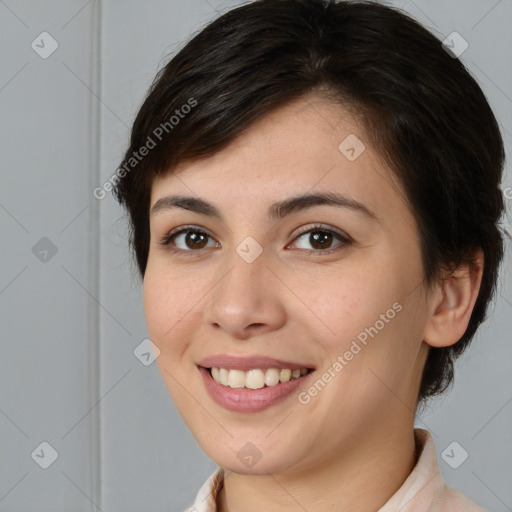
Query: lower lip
x,y
249,400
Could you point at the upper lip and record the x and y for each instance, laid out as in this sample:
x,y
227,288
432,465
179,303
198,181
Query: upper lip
x,y
248,362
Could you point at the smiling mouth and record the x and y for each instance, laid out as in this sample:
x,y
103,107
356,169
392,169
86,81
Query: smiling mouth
x,y
256,378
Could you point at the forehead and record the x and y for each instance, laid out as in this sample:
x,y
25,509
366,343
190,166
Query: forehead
x,y
307,145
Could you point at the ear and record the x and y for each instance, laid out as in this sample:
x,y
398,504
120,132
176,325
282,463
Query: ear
x,y
452,302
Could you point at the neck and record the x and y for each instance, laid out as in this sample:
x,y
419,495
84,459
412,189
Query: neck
x,y
361,479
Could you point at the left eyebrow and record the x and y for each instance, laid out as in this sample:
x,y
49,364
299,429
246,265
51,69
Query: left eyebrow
x,y
276,211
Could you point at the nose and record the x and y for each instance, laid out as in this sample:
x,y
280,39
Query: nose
x,y
246,301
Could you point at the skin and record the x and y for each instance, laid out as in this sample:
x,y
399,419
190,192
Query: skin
x,y
352,446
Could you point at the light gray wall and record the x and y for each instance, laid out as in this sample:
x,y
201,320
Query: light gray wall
x,y
70,321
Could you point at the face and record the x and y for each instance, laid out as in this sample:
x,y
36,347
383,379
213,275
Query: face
x,y
330,285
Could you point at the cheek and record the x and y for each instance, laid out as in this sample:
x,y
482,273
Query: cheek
x,y
368,317
347,304
171,309
157,308
167,301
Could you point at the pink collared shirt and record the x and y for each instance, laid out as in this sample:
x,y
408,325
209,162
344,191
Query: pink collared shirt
x,y
423,490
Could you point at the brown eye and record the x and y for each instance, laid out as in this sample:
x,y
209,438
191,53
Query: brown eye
x,y
188,240
321,240
195,240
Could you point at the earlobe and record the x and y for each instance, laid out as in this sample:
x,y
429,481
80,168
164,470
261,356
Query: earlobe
x,y
452,303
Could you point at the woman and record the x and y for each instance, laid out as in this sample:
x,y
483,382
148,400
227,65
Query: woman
x,y
313,190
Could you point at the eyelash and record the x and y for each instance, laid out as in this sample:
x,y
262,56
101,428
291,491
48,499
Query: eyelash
x,y
345,240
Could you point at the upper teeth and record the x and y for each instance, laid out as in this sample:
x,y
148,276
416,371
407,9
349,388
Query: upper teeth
x,y
255,379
